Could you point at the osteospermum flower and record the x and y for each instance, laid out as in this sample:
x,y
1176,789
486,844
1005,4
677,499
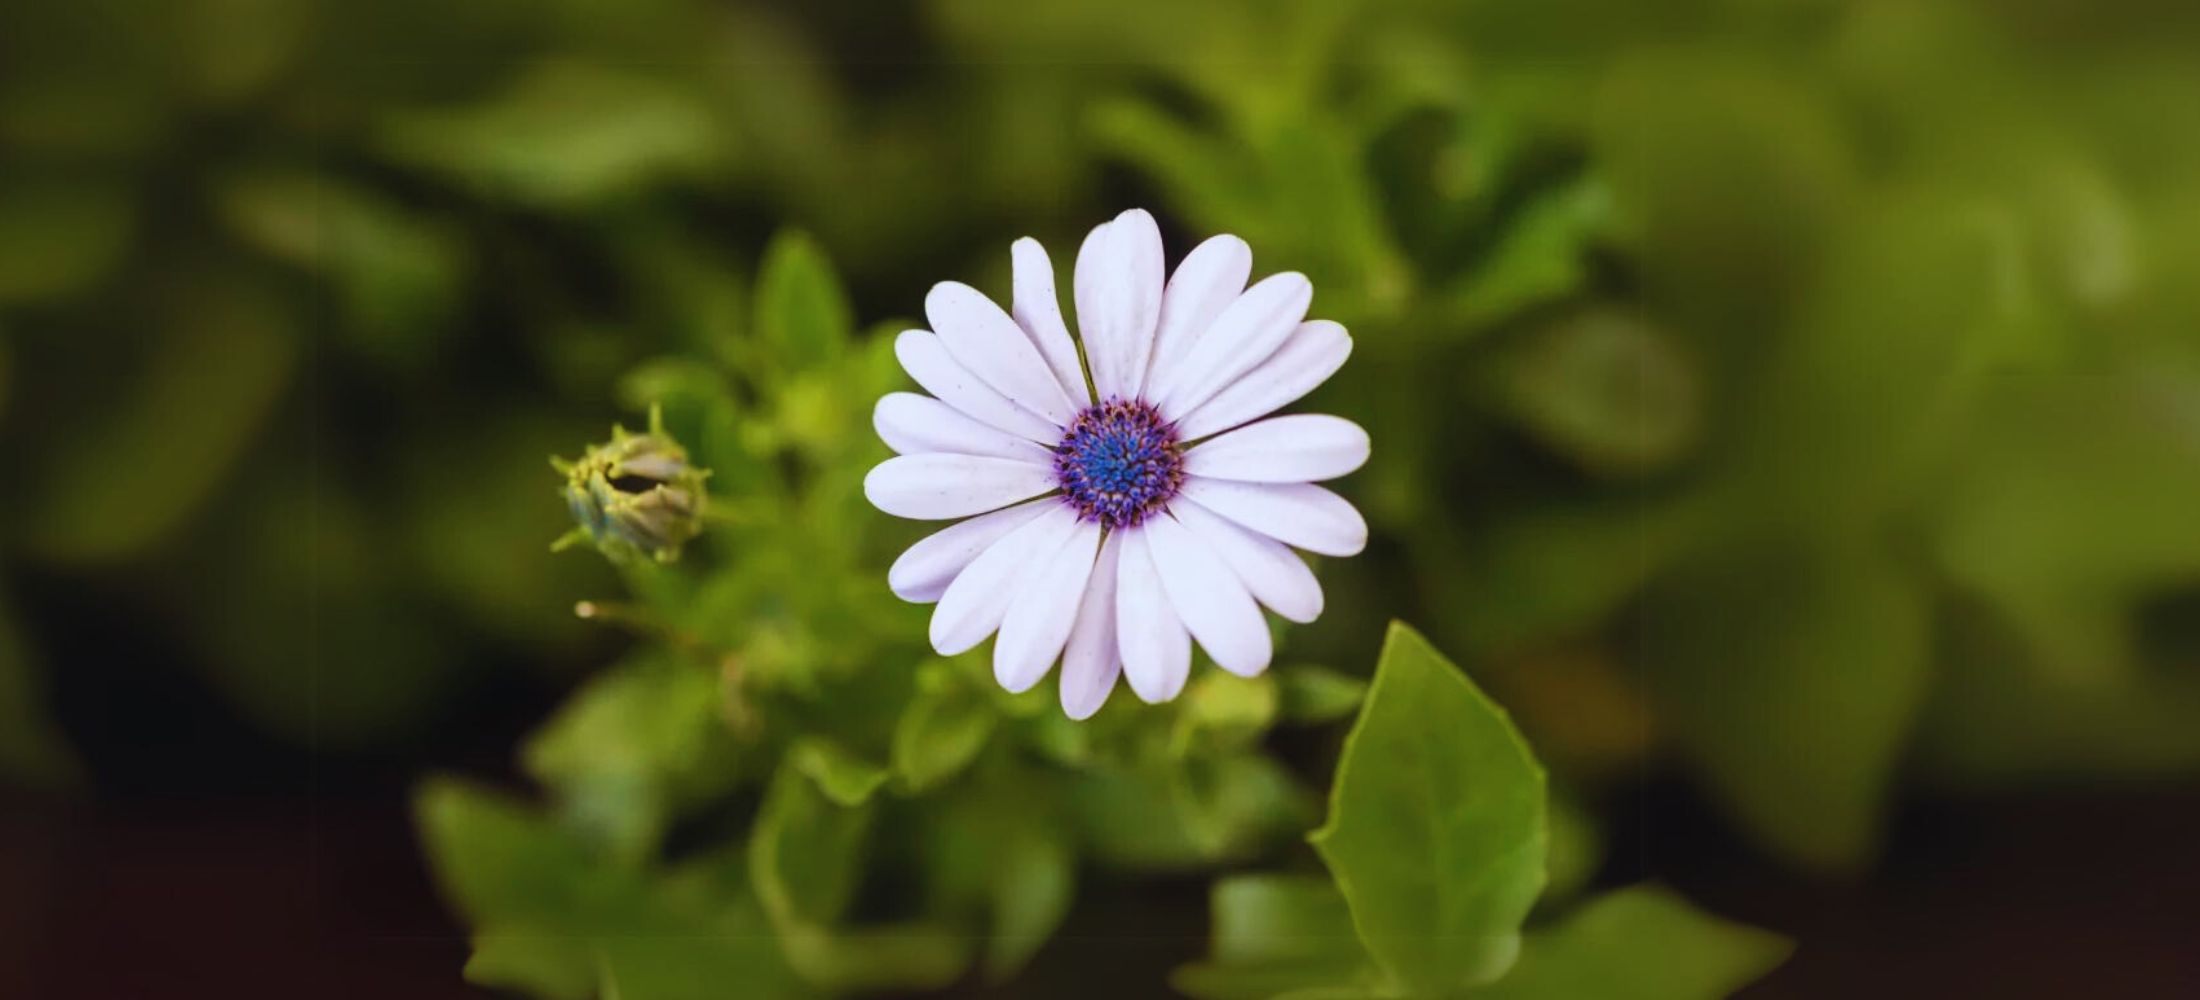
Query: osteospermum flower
x,y
1126,498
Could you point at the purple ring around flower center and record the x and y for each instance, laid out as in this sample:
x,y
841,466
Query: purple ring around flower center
x,y
1119,464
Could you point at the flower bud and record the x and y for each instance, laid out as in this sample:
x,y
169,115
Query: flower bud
x,y
636,493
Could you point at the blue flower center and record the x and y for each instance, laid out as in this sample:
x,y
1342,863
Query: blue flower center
x,y
1119,464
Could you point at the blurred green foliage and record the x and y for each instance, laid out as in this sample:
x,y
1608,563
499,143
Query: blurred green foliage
x,y
1805,392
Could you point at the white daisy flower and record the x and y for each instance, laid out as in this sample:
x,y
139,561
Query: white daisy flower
x,y
1125,499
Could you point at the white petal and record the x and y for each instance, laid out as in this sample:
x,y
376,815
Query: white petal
x,y
912,424
936,487
1038,309
1089,662
1299,448
927,361
1157,652
1297,514
923,572
1210,599
1208,280
984,340
1243,336
1276,576
1311,354
1039,618
972,607
1118,290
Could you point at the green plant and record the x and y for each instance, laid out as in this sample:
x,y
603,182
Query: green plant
x,y
783,786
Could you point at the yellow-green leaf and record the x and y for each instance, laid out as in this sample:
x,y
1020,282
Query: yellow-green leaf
x,y
1436,831
1639,943
802,313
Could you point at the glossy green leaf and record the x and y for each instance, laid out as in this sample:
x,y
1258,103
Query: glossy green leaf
x,y
1639,943
1436,831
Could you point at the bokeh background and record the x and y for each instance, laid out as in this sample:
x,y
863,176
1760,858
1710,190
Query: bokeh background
x,y
1790,409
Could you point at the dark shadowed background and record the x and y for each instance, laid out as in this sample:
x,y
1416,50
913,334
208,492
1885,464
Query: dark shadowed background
x,y
1789,409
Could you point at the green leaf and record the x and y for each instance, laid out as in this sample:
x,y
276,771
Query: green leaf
x,y
540,960
806,852
1605,389
222,351
565,134
845,778
1577,849
1542,258
1222,711
1298,186
1868,396
634,745
1199,813
399,273
1436,831
1281,918
690,288
1312,695
806,857
942,730
1204,179
1034,882
1319,186
1791,676
1639,943
803,315
996,855
2076,497
1727,174
555,920
1275,934
1544,571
